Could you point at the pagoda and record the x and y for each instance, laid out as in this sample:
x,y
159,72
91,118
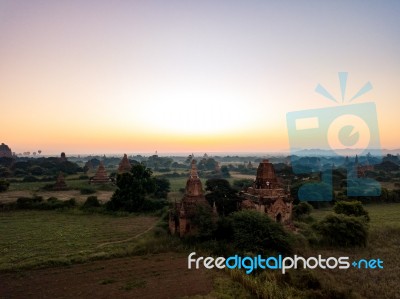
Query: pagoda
x,y
182,214
101,176
60,183
268,196
5,151
124,165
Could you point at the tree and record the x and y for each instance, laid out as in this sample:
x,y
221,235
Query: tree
x,y
241,184
4,185
203,221
223,195
342,230
351,208
162,187
302,209
225,172
132,189
256,232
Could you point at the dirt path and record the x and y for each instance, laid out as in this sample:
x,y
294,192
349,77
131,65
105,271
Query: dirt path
x,y
160,276
129,239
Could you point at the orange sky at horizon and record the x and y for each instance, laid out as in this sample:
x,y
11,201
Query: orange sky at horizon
x,y
176,77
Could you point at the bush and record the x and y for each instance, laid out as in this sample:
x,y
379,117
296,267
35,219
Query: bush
x,y
162,188
91,202
242,183
351,208
4,185
256,232
87,190
30,179
70,202
132,189
342,230
37,203
302,210
153,205
203,220
28,202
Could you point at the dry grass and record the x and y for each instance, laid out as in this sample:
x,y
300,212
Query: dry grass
x,y
30,238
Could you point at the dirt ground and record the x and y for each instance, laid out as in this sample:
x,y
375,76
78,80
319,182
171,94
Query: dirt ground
x,y
152,276
11,196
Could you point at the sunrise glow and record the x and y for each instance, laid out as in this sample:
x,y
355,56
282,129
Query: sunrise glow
x,y
175,77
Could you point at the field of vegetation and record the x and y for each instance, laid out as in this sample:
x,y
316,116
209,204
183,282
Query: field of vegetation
x,y
39,238
383,243
69,242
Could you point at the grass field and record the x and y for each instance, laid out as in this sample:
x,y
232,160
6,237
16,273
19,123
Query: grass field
x,y
383,243
382,215
30,238
71,183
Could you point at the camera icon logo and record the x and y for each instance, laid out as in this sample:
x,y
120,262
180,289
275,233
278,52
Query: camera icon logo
x,y
348,129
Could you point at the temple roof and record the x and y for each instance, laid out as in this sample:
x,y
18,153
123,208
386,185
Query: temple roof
x,y
193,184
266,178
5,151
194,194
101,175
60,183
124,165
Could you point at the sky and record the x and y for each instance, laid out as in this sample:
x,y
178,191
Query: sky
x,y
188,76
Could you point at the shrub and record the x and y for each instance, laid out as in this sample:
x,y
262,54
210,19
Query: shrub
x,y
342,230
242,183
162,188
37,203
30,179
302,210
351,208
150,205
256,232
87,190
28,202
4,185
91,202
203,220
132,189
70,202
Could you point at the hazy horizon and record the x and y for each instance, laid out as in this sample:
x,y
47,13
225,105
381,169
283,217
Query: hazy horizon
x,y
182,76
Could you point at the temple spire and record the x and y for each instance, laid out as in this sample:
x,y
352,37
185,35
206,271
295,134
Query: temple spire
x,y
193,171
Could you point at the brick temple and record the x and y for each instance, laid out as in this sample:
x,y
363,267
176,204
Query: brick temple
x,y
101,176
60,183
182,214
5,151
124,165
267,195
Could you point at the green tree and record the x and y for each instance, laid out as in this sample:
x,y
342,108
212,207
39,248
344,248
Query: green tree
x,y
351,208
4,185
225,172
341,230
241,184
91,202
204,222
257,233
302,209
162,187
224,196
132,189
